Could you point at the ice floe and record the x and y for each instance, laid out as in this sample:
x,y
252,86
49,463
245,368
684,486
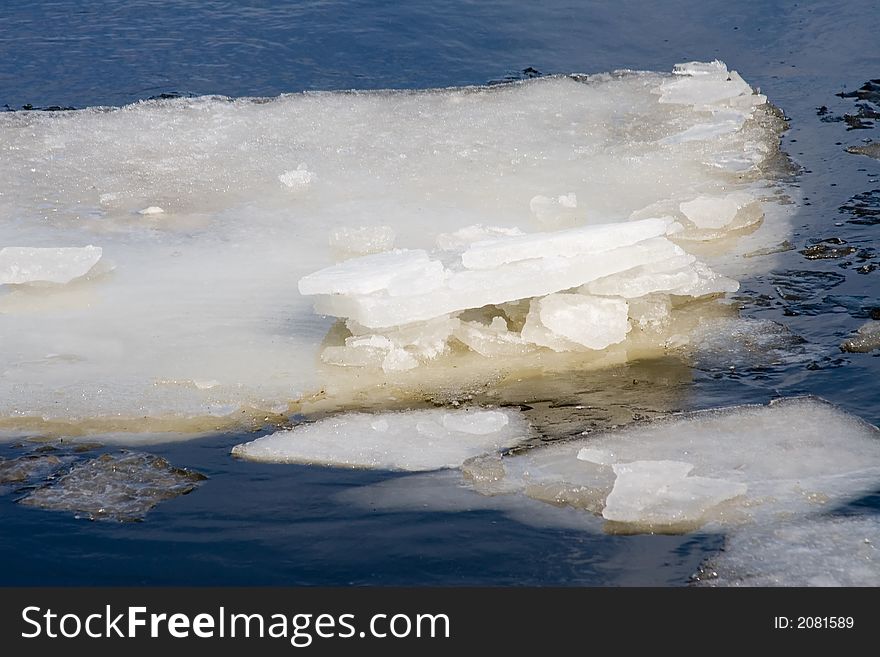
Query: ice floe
x,y
726,469
413,440
492,195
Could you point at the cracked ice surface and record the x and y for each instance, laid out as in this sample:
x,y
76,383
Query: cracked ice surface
x,y
212,209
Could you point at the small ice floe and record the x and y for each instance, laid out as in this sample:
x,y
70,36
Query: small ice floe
x,y
22,264
410,440
122,486
151,210
866,339
729,466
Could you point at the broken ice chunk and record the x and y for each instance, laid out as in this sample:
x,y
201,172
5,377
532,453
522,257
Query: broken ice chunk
x,y
561,320
21,264
866,339
663,276
405,268
705,88
708,282
470,288
651,312
119,487
660,494
714,212
489,254
411,440
395,349
492,340
715,67
153,209
362,240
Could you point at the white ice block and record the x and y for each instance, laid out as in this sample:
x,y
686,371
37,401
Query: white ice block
x,y
584,241
411,440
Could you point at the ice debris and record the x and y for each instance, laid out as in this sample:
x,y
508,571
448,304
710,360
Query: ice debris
x,y
411,440
122,486
21,264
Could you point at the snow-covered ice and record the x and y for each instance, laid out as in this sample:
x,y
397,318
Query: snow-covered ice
x,y
410,440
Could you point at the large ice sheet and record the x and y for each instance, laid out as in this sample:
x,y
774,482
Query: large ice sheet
x,y
411,440
212,209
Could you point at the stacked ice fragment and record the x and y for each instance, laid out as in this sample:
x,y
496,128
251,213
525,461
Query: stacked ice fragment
x,y
569,290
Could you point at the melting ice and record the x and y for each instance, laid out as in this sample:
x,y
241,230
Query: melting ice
x,y
447,227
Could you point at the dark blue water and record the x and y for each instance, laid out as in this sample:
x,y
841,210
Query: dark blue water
x,y
263,524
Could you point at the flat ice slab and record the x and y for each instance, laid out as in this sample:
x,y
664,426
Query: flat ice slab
x,y
409,440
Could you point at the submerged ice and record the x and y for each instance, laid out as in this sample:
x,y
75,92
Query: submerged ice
x,y
553,214
122,487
